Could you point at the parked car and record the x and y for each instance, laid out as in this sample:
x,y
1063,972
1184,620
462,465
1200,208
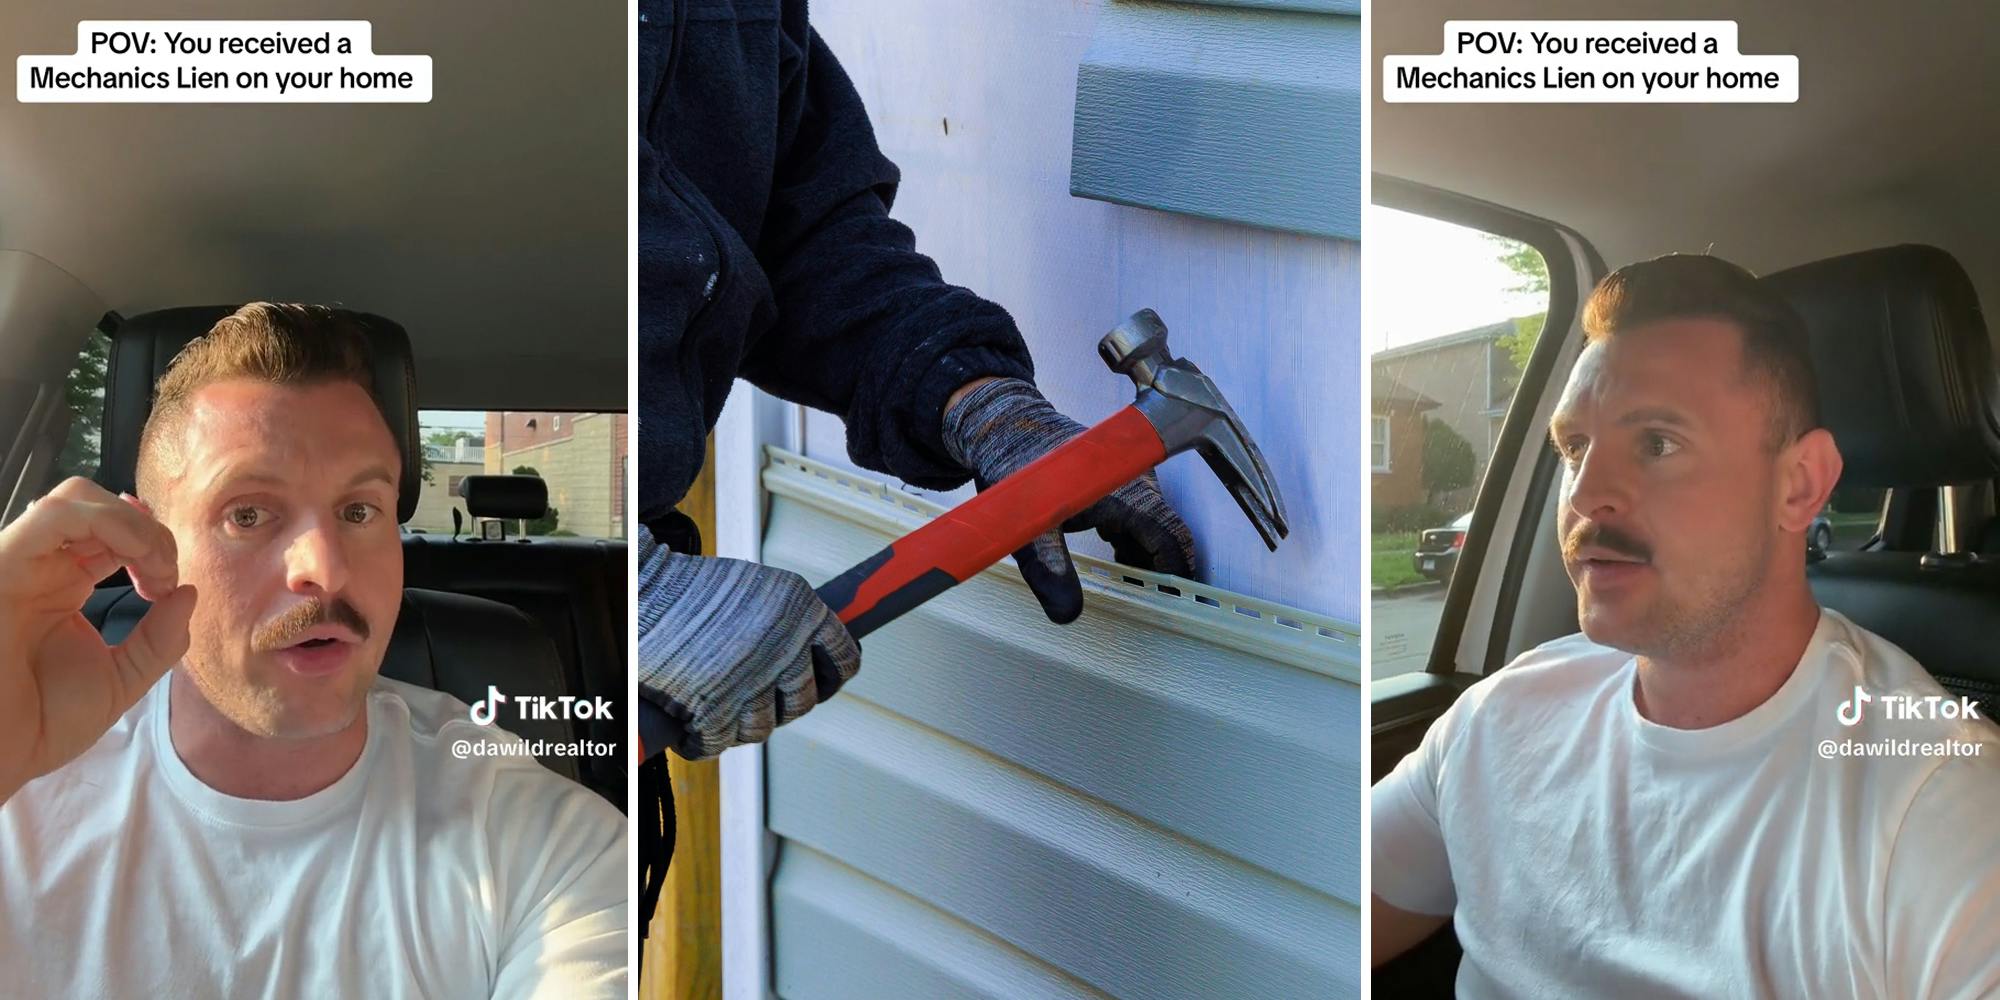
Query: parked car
x,y
1819,537
1438,548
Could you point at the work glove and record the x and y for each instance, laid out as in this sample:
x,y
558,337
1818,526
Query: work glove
x,y
731,650
1005,424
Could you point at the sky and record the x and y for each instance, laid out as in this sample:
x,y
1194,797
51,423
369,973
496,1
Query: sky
x,y
1428,278
467,420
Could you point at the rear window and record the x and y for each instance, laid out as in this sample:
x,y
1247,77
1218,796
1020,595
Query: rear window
x,y
81,421
580,455
83,391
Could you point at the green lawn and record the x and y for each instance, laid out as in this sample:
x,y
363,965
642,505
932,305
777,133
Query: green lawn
x,y
1389,562
1850,530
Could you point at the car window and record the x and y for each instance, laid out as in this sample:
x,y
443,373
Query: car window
x,y
581,456
1457,313
83,391
80,453
1849,520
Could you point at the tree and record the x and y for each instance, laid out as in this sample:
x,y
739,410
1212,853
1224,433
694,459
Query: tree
x,y
1448,459
546,524
83,392
446,439
1532,278
449,439
1526,262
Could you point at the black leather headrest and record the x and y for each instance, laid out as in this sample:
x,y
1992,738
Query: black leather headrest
x,y
143,345
525,497
1906,377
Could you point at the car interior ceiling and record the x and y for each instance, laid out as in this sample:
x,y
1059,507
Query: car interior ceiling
x,y
1864,160
532,617
511,269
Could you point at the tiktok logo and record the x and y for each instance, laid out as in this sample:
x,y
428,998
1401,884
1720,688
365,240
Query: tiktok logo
x,y
1850,710
1909,706
528,707
485,708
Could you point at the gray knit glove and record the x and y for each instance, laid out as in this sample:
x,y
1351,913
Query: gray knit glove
x,y
731,650
1003,425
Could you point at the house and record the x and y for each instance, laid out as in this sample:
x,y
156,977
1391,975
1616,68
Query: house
x,y
1470,376
1396,443
581,456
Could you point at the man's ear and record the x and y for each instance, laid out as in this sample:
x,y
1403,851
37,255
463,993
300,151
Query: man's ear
x,y
1807,470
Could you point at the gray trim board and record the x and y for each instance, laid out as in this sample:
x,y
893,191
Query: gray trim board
x,y
1232,111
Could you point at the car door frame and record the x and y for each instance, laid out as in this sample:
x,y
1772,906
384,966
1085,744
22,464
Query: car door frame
x,y
1482,597
1476,627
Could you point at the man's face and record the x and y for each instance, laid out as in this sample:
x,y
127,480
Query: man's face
x,y
284,510
1668,513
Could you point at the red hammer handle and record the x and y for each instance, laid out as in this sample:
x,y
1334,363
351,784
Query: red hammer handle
x,y
991,526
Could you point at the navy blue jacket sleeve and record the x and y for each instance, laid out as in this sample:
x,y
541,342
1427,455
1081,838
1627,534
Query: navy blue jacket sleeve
x,y
866,326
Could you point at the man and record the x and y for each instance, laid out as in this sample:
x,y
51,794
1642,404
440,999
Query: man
x,y
272,818
1643,810
766,251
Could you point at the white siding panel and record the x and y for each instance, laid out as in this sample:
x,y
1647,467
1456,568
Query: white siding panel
x,y
1160,799
837,917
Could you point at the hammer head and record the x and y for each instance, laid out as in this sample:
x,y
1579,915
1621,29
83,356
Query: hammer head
x,y
1188,411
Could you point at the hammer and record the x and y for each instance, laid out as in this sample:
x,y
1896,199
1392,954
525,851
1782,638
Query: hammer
x,y
1177,408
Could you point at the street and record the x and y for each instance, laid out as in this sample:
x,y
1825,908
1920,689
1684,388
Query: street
x,y
1403,626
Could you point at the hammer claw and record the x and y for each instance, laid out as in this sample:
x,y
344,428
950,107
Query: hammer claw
x,y
1260,501
1188,411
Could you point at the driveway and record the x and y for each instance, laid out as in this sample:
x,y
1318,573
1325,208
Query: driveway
x,y
1402,627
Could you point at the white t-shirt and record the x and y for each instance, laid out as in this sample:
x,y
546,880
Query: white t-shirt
x,y
1584,851
414,875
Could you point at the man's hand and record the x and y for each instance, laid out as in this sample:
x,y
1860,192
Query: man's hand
x,y
61,687
996,426
731,649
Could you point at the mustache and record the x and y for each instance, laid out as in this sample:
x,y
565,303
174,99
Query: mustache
x,y
1591,533
286,629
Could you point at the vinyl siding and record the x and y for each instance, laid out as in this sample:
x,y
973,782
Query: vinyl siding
x,y
1158,800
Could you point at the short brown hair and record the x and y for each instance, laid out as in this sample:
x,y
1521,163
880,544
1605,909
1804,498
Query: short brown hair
x,y
1776,348
277,343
